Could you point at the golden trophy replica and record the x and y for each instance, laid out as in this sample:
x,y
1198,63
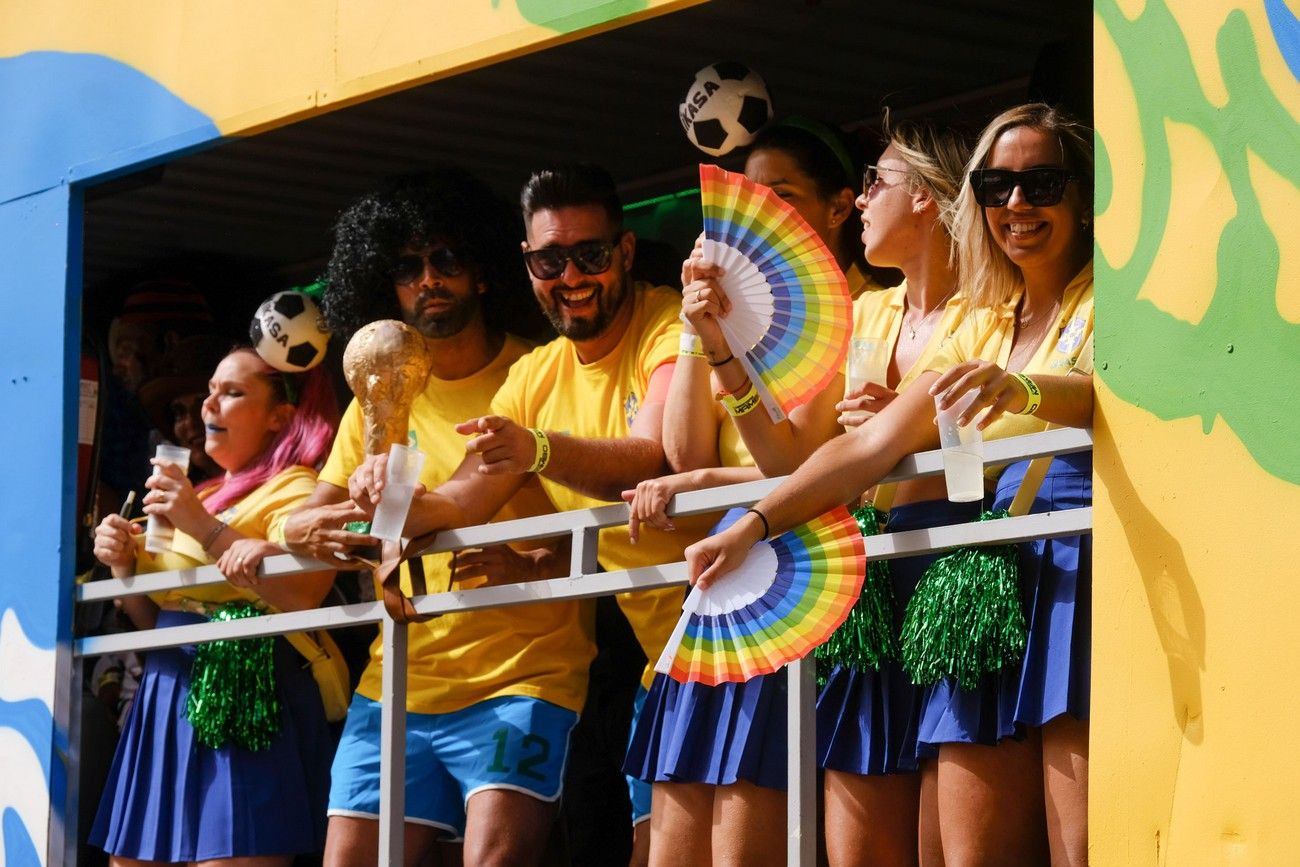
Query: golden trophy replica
x,y
386,364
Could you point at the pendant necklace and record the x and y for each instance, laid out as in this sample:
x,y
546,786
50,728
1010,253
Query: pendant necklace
x,y
911,329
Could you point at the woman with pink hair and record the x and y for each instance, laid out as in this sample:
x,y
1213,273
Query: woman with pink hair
x,y
247,787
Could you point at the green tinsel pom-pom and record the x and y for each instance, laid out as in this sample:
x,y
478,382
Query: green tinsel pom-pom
x,y
966,618
232,697
866,638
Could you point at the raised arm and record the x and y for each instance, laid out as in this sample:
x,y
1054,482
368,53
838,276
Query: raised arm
x,y
778,447
690,435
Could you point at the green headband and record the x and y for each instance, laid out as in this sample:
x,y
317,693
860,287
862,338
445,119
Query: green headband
x,y
826,136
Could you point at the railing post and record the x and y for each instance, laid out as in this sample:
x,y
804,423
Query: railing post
x,y
801,773
392,746
582,556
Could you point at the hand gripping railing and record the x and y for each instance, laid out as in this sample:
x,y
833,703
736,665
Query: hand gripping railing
x,y
584,582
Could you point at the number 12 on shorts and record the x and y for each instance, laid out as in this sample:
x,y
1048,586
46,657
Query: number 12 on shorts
x,y
533,750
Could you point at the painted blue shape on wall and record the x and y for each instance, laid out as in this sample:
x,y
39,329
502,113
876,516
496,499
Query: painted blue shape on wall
x,y
1286,32
19,850
60,110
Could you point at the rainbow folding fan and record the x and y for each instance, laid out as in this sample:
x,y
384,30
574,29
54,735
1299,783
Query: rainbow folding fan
x,y
791,314
788,596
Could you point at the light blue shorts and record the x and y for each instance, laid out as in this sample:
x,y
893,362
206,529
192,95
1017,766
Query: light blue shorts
x,y
638,791
513,742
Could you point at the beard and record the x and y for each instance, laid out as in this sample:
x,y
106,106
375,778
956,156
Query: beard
x,y
609,301
447,322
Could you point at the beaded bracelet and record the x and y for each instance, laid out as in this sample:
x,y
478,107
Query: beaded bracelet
x,y
1033,394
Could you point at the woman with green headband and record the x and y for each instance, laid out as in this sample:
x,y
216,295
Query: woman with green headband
x,y
716,755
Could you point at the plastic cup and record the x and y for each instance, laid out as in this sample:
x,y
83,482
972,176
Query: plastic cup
x,y
158,531
868,362
963,452
403,474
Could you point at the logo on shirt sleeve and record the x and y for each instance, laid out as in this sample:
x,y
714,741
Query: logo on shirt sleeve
x,y
1072,336
631,406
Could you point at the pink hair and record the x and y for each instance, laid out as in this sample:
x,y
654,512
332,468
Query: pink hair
x,y
305,441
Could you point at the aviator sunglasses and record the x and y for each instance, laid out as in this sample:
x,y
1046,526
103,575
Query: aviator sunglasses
x,y
1041,188
443,260
590,257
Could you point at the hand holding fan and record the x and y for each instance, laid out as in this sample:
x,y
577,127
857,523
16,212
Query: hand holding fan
x,y
787,597
791,314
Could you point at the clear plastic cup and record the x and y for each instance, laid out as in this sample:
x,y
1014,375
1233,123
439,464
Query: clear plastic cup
x,y
403,474
868,362
963,452
158,531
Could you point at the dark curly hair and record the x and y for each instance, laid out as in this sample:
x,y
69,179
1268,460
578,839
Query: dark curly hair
x,y
447,205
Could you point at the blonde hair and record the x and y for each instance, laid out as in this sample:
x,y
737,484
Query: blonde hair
x,y
992,278
937,159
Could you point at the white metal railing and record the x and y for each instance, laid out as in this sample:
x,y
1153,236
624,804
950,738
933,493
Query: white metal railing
x,y
584,582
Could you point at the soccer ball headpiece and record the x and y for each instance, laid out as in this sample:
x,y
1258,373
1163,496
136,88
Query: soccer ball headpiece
x,y
725,108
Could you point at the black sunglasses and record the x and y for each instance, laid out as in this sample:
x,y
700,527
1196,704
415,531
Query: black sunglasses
x,y
1041,188
871,175
590,257
443,260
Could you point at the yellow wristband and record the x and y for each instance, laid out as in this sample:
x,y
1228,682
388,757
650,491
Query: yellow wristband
x,y
543,456
738,406
1033,394
691,344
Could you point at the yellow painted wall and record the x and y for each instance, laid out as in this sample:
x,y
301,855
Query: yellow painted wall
x,y
252,64
1197,571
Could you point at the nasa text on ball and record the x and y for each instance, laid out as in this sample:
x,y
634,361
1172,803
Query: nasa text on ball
x,y
289,332
725,107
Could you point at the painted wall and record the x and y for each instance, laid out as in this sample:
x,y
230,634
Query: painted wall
x,y
93,89
1198,462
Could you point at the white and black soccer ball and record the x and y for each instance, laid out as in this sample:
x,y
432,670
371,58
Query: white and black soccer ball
x,y
725,108
289,332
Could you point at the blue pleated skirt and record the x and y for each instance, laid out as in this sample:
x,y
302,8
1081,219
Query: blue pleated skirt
x,y
1056,588
169,798
867,720
692,733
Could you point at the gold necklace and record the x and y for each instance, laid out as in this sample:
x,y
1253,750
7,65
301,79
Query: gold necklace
x,y
911,329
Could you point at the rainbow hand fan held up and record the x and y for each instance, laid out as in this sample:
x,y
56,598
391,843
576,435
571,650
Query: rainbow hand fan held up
x,y
791,314
788,596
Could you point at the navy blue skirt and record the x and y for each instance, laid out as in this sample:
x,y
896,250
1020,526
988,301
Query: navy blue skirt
x,y
169,798
692,733
1056,587
867,720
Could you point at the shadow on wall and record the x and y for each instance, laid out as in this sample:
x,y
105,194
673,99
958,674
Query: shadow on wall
x,y
1172,599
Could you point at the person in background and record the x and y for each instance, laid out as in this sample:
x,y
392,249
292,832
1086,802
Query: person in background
x,y
173,399
175,794
716,755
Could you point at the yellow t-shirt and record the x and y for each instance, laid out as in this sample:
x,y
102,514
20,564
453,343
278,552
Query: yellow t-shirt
x,y
551,389
460,659
879,316
260,514
988,335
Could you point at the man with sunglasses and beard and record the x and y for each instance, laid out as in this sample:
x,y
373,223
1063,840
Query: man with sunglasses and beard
x,y
491,695
584,412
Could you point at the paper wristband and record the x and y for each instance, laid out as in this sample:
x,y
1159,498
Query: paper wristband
x,y
745,403
543,455
1033,394
691,345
